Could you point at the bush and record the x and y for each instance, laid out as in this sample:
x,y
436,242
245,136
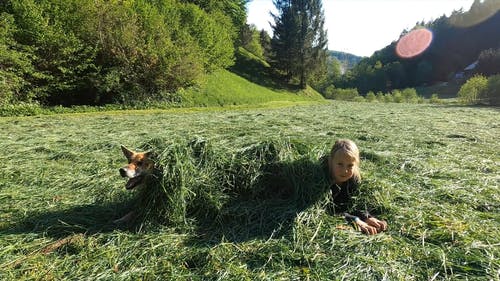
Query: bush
x,y
342,94
388,97
380,97
493,90
96,52
370,97
474,90
410,95
397,96
15,64
20,109
359,99
434,99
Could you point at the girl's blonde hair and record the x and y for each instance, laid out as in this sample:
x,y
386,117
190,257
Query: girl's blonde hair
x,y
350,148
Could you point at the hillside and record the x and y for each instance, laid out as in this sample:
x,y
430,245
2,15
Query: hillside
x,y
247,82
457,41
225,88
347,61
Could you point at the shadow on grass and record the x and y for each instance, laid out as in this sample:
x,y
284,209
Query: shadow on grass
x,y
85,219
267,210
207,191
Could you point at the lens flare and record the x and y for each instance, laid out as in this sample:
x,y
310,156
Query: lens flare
x,y
476,17
414,43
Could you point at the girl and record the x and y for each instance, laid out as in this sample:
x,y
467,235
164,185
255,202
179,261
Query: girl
x,y
343,170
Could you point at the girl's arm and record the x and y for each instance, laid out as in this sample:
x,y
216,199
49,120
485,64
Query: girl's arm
x,y
366,223
363,226
380,225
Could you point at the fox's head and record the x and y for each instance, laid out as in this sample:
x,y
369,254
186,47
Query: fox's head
x,y
139,166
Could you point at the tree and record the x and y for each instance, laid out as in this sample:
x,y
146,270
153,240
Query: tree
x,y
235,9
95,52
489,62
15,64
251,41
265,42
299,39
474,90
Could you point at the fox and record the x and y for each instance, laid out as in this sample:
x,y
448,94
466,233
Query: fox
x,y
140,166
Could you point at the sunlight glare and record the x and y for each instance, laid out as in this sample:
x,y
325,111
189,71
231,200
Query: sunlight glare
x,y
414,43
472,19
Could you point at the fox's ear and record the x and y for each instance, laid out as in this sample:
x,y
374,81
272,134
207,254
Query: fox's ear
x,y
127,152
150,155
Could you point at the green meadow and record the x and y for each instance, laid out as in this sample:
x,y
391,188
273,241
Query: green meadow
x,y
431,171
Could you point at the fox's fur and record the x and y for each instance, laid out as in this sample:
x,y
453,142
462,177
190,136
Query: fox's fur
x,y
140,166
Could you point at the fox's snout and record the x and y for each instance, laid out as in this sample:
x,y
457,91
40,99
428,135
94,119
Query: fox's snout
x,y
128,172
123,172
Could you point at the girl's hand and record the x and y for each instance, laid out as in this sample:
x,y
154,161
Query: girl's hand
x,y
366,228
376,223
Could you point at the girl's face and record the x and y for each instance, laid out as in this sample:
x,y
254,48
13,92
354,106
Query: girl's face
x,y
342,166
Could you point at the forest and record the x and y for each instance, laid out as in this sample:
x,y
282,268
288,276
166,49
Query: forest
x,y
458,41
97,52
79,52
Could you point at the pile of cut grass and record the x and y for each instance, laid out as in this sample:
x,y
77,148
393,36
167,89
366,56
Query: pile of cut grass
x,y
200,184
431,172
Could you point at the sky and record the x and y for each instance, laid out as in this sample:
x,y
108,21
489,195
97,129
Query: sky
x,y
361,27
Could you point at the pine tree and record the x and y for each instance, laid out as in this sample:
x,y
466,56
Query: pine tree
x,y
299,39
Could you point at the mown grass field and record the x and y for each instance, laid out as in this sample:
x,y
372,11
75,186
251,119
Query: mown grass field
x,y
432,171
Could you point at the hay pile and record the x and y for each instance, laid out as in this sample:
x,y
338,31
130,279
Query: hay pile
x,y
201,182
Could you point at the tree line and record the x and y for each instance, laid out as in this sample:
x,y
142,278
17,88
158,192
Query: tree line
x,y
95,52
72,52
463,38
458,41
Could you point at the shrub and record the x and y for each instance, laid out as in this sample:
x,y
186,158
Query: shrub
x,y
380,97
397,96
359,99
370,97
493,90
410,95
15,64
20,109
96,52
328,92
434,99
388,97
345,94
474,90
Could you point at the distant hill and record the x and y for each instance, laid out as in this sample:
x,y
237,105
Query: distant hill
x,y
458,41
347,61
